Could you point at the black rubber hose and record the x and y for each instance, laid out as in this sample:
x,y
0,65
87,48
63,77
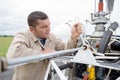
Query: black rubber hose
x,y
115,46
68,65
103,45
106,37
113,26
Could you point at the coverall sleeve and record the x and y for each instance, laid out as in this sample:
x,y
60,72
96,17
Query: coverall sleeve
x,y
19,47
60,45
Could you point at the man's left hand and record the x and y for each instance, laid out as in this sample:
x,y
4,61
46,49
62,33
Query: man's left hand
x,y
76,31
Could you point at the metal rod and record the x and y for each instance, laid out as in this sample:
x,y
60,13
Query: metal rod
x,y
113,54
25,60
47,71
105,57
60,74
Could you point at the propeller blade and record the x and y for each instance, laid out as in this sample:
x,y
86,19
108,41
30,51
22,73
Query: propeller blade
x,y
110,4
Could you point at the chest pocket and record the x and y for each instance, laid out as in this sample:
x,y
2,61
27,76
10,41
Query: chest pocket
x,y
35,45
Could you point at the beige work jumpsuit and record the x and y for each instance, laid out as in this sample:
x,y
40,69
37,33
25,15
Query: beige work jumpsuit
x,y
26,44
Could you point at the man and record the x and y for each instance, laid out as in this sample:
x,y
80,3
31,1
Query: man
x,y
38,40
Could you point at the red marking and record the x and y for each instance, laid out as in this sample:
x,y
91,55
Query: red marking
x,y
100,7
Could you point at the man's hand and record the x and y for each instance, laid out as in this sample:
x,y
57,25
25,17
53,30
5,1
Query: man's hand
x,y
48,51
76,31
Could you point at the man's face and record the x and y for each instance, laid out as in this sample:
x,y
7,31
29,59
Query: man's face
x,y
42,29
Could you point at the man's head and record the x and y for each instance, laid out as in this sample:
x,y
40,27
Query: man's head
x,y
39,24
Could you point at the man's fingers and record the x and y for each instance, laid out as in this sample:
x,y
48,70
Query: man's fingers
x,y
79,28
48,51
79,32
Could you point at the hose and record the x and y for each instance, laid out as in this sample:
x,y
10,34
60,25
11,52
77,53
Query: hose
x,y
106,37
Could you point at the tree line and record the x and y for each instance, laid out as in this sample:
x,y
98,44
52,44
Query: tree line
x,y
6,35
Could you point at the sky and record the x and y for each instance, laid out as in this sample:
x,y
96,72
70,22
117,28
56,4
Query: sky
x,y
13,14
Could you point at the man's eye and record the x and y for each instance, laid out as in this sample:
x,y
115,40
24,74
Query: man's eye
x,y
44,27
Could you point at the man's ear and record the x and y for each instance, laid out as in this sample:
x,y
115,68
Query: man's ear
x,y
31,28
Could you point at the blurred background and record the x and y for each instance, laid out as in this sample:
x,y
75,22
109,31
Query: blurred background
x,y
13,17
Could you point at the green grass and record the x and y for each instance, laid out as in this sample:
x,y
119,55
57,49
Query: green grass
x,y
4,45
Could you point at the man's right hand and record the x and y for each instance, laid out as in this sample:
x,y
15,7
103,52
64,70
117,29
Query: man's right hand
x,y
48,51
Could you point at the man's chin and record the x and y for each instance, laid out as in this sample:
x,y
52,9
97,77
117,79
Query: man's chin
x,y
46,36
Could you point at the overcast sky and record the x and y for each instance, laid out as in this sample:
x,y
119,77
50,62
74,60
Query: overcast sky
x,y
13,13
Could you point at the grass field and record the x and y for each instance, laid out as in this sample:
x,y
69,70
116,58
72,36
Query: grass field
x,y
4,45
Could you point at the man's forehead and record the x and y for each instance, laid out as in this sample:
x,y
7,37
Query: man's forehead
x,y
43,22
